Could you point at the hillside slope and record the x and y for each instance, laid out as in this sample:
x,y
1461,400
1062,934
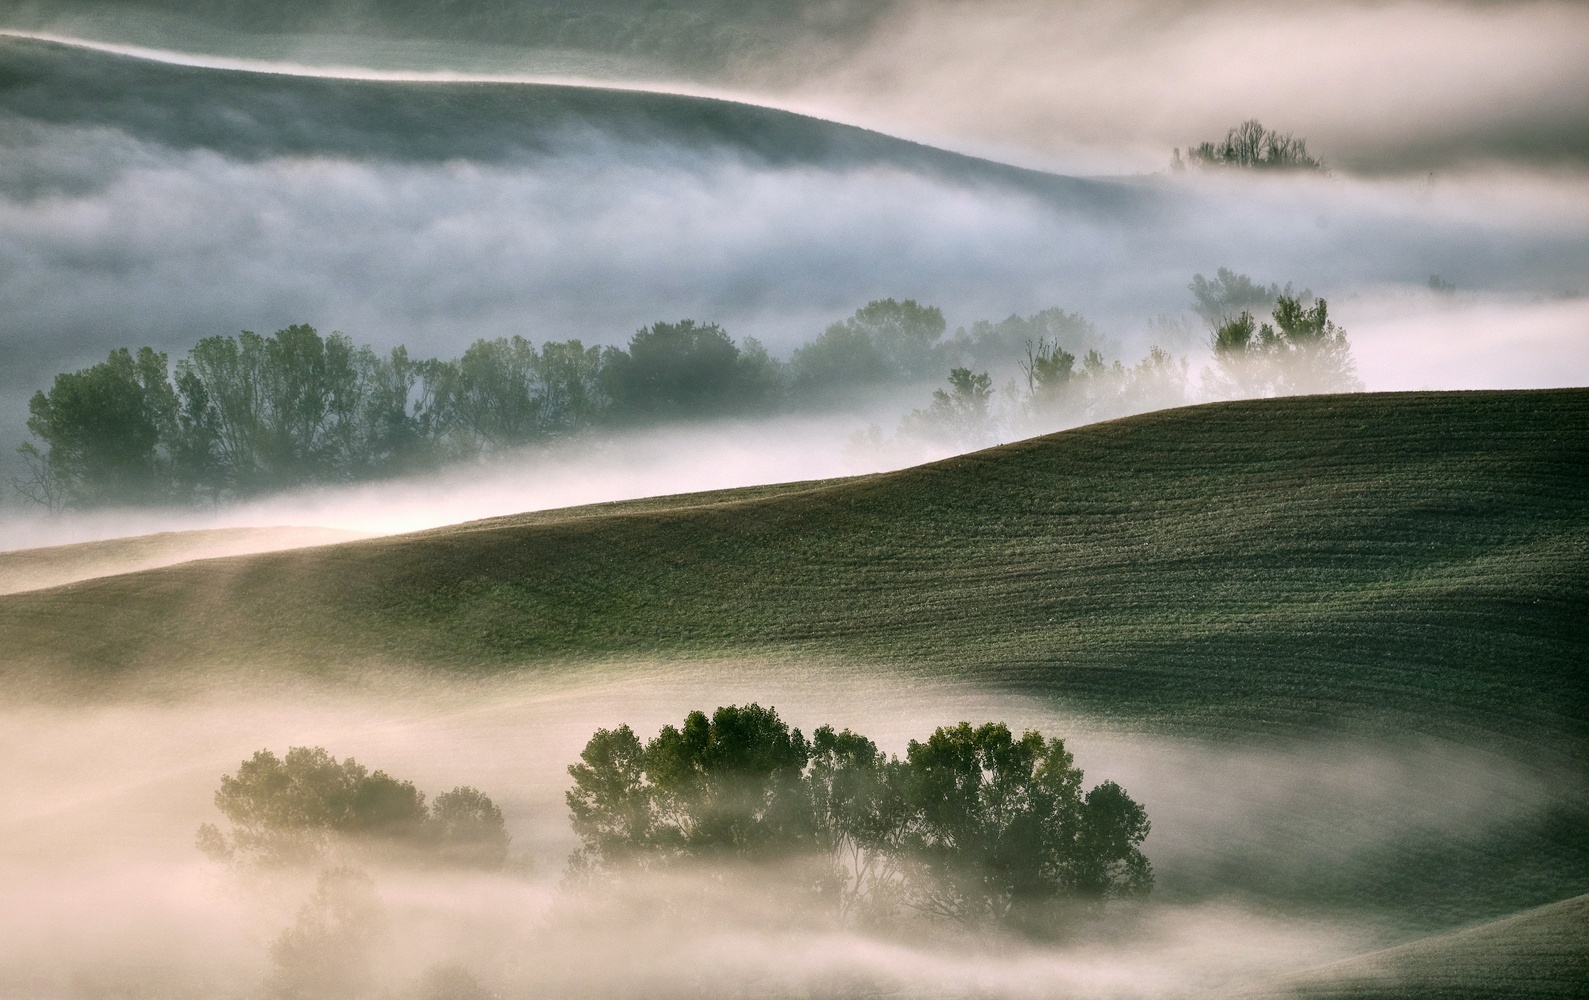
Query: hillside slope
x,y
1543,952
250,115
55,565
1417,559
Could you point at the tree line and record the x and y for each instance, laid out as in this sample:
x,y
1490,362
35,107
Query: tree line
x,y
975,826
249,414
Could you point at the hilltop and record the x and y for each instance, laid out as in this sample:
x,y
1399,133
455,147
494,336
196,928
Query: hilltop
x,y
252,115
1415,560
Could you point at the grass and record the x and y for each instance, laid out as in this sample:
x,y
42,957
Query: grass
x,y
1543,952
52,566
1417,559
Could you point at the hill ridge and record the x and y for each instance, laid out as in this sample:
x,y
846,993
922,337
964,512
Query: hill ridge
x,y
1421,557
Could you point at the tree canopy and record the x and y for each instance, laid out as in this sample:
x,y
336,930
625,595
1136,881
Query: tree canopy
x,y
306,805
974,825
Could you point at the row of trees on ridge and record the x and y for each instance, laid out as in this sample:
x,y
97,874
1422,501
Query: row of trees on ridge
x,y
250,414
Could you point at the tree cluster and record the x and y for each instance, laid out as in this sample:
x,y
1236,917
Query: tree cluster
x,y
1250,146
308,806
975,825
251,414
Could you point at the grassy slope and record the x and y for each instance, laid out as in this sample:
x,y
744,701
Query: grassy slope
x,y
35,569
254,115
1416,560
1419,556
1541,953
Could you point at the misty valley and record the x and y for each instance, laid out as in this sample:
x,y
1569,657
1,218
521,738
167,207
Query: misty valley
x,y
509,499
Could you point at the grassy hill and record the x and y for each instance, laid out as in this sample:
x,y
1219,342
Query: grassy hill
x,y
253,115
1410,560
52,566
1543,952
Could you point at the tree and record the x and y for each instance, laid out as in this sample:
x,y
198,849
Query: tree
x,y
329,949
884,340
1002,830
1302,351
991,344
680,370
109,431
860,813
961,416
728,786
298,808
1251,146
974,826
1230,294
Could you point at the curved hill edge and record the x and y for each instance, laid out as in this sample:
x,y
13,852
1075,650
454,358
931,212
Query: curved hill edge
x,y
255,114
1417,558
1541,952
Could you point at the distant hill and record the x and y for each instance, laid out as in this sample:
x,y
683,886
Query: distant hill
x,y
704,36
254,115
1417,561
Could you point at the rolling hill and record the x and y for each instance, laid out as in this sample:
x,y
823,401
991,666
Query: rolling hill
x,y
1414,561
52,566
1543,952
1392,567
249,115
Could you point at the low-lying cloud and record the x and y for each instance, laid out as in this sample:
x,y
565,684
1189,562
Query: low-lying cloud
x,y
108,892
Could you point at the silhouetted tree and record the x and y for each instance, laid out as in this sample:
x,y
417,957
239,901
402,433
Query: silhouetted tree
x,y
1302,351
329,951
1251,146
960,415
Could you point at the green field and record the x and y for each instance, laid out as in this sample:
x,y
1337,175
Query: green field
x,y
1406,560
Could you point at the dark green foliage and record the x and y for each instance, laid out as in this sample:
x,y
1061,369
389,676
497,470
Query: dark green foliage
x,y
1303,351
109,431
974,826
884,341
252,414
295,809
685,370
726,786
1001,829
1253,147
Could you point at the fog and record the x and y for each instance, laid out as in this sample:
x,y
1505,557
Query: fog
x,y
165,247
1103,87
107,894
